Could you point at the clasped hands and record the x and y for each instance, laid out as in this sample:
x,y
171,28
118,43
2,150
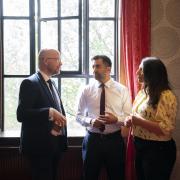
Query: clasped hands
x,y
131,120
59,120
102,120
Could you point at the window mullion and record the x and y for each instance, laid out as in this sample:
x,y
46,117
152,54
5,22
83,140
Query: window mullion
x,y
1,69
85,37
80,36
59,24
32,36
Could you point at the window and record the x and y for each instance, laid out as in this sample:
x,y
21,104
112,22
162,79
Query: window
x,y
80,29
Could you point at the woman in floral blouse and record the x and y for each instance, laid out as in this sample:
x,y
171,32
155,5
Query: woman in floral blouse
x,y
153,121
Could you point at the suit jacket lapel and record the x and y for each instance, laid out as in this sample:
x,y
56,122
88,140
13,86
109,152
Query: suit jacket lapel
x,y
46,90
62,108
44,86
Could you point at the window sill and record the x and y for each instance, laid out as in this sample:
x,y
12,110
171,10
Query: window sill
x,y
10,134
12,139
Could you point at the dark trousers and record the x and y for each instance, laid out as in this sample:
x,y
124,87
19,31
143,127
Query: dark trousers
x,y
103,150
154,159
44,166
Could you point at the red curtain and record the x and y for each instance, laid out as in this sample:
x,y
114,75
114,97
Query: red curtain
x,y
135,44
134,39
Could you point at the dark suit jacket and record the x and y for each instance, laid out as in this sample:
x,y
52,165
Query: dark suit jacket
x,y
33,111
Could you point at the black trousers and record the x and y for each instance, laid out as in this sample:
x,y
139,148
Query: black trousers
x,y
154,159
103,150
44,165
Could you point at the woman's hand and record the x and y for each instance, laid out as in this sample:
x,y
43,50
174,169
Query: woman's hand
x,y
128,121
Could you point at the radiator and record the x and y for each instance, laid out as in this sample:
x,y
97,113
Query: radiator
x,y
14,166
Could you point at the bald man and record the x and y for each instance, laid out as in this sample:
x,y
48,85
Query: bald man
x,y
40,110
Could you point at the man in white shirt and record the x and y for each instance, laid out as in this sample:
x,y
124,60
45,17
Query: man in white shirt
x,y
103,143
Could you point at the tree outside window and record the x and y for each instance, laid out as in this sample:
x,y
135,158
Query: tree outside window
x,y
80,29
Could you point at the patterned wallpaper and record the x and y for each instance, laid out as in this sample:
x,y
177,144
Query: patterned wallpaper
x,y
165,44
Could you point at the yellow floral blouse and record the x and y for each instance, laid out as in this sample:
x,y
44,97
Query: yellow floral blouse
x,y
164,114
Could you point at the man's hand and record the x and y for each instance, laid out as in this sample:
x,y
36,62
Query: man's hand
x,y
97,123
58,118
108,118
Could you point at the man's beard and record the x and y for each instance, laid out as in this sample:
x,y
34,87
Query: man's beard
x,y
99,77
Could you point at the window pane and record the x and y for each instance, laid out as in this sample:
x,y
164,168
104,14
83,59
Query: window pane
x,y
11,94
101,8
70,89
55,79
92,80
69,7
70,45
48,8
49,34
16,47
16,7
101,40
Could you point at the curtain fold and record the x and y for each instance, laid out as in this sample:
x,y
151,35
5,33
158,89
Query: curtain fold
x,y
134,45
134,38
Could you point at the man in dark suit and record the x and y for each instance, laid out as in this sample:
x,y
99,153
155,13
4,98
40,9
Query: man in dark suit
x,y
40,110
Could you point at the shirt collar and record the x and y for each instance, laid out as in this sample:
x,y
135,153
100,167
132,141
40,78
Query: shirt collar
x,y
45,76
106,84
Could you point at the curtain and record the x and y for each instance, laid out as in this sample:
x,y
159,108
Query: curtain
x,y
134,38
134,45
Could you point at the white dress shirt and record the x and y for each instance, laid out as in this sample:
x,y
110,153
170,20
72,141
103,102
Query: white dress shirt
x,y
117,102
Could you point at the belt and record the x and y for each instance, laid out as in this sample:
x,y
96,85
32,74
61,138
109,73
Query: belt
x,y
110,135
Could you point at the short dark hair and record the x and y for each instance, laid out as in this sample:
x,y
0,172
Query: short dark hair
x,y
106,60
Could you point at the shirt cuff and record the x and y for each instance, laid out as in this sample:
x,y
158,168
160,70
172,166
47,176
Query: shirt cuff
x,y
88,121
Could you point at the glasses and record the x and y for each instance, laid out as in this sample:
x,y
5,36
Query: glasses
x,y
57,59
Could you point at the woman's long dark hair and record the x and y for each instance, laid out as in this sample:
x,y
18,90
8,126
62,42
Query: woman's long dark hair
x,y
155,79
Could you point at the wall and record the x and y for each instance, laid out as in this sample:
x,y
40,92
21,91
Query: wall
x,y
165,43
